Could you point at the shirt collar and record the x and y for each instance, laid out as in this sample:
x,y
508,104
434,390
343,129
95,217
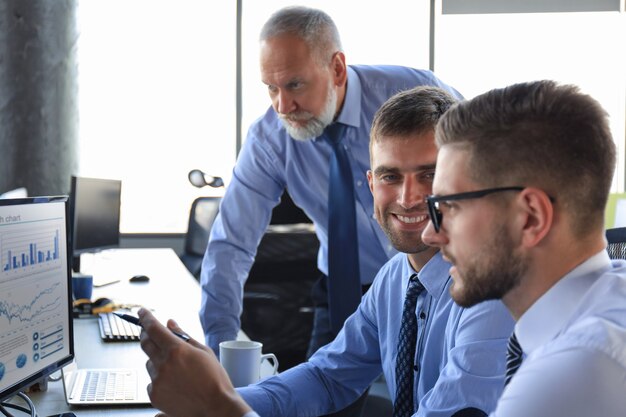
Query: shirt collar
x,y
433,276
549,314
351,109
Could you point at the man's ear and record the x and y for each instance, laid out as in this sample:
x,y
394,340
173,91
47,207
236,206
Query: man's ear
x,y
538,215
340,72
370,180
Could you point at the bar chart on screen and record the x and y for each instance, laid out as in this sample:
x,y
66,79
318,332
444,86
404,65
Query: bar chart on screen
x,y
32,309
34,246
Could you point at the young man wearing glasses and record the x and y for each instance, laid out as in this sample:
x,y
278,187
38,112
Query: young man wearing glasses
x,y
451,365
523,175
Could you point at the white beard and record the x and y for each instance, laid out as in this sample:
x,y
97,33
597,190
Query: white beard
x,y
315,126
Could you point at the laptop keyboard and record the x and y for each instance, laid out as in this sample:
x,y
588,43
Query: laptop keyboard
x,y
109,385
115,329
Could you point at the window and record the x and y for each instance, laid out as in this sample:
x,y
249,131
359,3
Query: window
x,y
157,79
476,53
156,99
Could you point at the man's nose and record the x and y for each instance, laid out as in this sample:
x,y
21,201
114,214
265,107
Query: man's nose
x,y
433,238
411,194
284,103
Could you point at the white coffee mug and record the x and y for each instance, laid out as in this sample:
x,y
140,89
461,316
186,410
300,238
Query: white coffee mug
x,y
242,361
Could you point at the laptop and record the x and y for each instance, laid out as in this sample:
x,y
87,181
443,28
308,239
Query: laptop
x,y
110,386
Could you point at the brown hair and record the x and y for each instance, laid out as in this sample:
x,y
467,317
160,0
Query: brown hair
x,y
413,111
538,134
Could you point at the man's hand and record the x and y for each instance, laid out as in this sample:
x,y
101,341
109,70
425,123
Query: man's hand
x,y
187,379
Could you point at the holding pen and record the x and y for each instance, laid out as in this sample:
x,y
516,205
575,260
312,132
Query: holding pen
x,y
134,320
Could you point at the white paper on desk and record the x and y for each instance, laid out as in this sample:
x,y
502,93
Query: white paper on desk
x,y
620,213
104,271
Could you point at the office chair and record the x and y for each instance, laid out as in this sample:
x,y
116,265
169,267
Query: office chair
x,y
617,242
201,217
277,306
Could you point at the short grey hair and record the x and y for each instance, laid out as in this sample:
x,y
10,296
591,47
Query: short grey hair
x,y
313,26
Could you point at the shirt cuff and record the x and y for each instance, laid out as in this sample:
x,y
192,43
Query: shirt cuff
x,y
213,340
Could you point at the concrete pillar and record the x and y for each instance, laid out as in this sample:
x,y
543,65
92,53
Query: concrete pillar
x,y
38,95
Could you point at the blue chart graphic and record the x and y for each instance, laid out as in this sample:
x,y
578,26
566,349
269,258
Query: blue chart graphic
x,y
27,249
48,341
21,360
45,301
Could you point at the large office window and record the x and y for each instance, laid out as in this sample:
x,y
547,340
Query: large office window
x,y
157,89
156,99
157,79
477,52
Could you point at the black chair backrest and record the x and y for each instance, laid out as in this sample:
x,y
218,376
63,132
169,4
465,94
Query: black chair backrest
x,y
286,212
617,242
201,217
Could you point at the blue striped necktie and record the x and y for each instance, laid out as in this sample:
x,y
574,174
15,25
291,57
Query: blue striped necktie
x,y
407,340
513,358
344,284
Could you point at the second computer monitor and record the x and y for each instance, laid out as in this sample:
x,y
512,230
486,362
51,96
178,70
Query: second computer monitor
x,y
95,204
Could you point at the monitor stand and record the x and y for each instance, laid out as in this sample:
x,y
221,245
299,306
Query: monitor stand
x,y
76,263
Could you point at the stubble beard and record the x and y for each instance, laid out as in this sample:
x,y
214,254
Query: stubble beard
x,y
496,270
403,242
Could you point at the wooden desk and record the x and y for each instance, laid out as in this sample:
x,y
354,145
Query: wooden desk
x,y
172,292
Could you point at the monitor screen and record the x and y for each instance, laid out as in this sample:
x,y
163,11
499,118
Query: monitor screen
x,y
95,205
36,335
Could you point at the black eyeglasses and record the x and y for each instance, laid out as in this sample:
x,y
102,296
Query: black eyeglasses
x,y
433,201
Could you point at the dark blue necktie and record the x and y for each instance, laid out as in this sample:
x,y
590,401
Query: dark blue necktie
x,y
407,339
513,358
344,284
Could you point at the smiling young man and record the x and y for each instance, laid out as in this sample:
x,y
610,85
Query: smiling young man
x,y
523,175
453,363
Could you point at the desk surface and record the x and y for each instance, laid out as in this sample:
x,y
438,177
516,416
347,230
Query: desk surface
x,y
172,292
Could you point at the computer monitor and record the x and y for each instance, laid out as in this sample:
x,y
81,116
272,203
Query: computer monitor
x,y
36,337
95,213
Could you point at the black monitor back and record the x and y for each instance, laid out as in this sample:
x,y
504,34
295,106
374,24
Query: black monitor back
x,y
95,214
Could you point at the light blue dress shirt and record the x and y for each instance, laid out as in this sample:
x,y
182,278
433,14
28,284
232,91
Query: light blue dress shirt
x,y
460,353
574,342
271,161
